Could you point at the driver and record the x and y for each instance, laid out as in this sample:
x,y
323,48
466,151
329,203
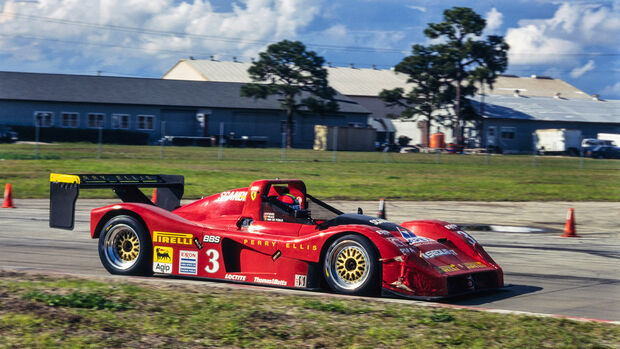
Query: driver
x,y
290,200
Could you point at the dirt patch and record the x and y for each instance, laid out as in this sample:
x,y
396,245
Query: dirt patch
x,y
16,304
269,316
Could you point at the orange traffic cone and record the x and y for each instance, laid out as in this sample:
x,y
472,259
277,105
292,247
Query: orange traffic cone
x,y
569,227
8,197
154,196
382,214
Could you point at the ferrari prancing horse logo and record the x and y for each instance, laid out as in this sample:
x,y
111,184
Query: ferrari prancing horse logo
x,y
253,192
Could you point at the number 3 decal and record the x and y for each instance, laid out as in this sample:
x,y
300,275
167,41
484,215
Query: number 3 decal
x,y
213,265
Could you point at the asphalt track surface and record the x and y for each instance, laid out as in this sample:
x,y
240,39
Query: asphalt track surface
x,y
545,273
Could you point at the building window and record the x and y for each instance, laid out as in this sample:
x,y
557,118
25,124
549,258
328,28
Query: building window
x,y
508,133
70,119
145,122
43,118
95,120
491,131
120,121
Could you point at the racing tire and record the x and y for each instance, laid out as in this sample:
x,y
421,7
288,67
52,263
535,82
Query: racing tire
x,y
125,247
351,266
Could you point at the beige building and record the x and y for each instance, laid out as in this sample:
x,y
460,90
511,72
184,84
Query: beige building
x,y
364,85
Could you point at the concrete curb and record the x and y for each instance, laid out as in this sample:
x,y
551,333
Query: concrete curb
x,y
504,228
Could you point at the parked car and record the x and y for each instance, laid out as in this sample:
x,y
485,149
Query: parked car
x,y
604,152
588,144
410,149
7,135
387,147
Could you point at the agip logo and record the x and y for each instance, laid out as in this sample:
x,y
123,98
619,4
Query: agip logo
x,y
163,257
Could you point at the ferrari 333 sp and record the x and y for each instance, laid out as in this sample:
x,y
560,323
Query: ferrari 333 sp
x,y
273,233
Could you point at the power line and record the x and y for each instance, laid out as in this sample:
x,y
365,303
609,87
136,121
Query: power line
x,y
260,42
190,35
187,53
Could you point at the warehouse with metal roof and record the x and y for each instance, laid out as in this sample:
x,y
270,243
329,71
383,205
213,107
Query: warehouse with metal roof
x,y
510,121
514,107
184,108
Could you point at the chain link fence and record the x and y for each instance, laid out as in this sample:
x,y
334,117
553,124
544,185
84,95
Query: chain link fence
x,y
226,148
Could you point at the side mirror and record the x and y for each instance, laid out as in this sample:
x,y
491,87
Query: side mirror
x,y
244,222
360,211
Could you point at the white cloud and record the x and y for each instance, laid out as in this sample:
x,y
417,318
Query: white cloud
x,y
613,91
417,8
579,71
531,45
341,36
494,20
251,24
336,32
573,28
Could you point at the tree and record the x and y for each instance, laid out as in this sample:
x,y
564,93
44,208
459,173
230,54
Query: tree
x,y
287,70
426,72
471,58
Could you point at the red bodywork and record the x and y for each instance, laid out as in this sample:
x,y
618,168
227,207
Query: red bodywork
x,y
230,236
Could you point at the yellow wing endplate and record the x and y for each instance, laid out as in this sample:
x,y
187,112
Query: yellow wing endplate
x,y
64,178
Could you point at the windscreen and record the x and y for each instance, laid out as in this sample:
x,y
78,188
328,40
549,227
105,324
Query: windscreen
x,y
321,211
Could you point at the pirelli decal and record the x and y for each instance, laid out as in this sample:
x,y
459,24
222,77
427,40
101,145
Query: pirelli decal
x,y
172,238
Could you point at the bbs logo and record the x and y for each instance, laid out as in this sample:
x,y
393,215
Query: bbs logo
x,y
214,239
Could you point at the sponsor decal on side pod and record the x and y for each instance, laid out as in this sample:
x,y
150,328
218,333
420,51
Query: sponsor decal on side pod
x,y
163,257
188,262
197,243
300,280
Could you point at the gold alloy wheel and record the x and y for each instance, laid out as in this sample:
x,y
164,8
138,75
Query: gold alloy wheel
x,y
128,246
350,264
121,247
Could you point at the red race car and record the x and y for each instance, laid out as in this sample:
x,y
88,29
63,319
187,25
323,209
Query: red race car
x,y
273,233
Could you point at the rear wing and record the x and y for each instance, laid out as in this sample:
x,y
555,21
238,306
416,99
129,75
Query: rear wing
x,y
64,191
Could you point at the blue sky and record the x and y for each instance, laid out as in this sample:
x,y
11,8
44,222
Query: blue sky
x,y
576,41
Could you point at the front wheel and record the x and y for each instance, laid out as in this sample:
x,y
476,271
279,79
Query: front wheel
x,y
125,247
351,266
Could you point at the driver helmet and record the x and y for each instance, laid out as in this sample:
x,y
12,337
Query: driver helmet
x,y
290,200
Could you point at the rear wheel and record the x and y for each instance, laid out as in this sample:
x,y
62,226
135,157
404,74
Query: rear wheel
x,y
351,266
125,247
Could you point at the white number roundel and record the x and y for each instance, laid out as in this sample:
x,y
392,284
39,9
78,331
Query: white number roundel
x,y
212,265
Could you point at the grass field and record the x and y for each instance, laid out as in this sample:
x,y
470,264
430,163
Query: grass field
x,y
353,175
44,312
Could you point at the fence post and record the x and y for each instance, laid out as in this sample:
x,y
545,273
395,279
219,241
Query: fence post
x,y
284,146
219,154
335,143
438,152
36,139
99,140
581,158
163,139
535,160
